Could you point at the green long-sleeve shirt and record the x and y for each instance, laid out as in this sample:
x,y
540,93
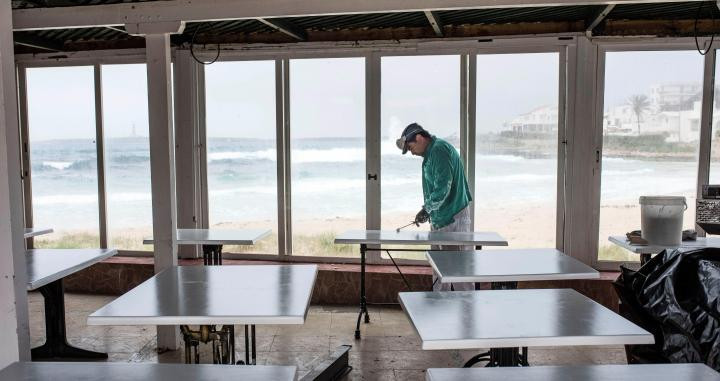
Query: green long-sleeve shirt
x,y
445,188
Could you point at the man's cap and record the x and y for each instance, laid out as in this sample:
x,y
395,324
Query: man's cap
x,y
408,135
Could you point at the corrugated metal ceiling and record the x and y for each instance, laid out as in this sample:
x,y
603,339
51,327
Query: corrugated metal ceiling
x,y
670,11
508,15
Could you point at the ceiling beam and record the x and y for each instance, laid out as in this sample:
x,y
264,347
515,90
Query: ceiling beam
x,y
117,29
215,10
435,22
286,27
599,17
37,42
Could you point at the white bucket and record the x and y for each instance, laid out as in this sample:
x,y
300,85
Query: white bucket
x,y
661,219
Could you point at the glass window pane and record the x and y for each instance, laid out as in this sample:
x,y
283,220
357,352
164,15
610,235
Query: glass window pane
x,y
650,137
422,89
242,159
127,155
61,123
327,108
516,147
715,142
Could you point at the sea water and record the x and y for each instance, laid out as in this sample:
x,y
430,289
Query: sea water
x,y
328,179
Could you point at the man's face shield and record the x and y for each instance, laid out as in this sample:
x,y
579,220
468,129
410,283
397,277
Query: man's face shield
x,y
402,144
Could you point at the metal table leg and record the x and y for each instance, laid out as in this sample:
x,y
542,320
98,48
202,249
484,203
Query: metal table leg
x,y
501,356
250,346
212,255
363,299
56,345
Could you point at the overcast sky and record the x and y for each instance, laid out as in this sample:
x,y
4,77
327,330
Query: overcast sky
x,y
328,98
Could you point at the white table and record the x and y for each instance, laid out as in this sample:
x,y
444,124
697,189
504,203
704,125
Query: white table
x,y
515,318
503,267
646,251
50,371
45,270
644,372
212,240
392,237
34,232
242,295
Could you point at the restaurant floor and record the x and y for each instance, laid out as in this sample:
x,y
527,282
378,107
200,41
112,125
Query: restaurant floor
x,y
389,349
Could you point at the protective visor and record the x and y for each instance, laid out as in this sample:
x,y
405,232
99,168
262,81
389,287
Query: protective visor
x,y
402,144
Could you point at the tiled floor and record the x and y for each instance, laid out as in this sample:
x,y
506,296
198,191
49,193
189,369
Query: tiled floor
x,y
389,350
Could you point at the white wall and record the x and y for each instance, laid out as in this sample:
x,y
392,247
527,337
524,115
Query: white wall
x,y
14,332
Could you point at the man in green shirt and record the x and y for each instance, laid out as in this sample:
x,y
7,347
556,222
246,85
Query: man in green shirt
x,y
446,195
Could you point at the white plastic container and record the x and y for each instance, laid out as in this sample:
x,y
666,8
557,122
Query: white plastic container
x,y
661,219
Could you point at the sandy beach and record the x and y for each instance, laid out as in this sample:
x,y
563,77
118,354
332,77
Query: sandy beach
x,y
526,225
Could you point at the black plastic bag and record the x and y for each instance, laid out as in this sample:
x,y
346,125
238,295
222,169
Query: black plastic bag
x,y
676,297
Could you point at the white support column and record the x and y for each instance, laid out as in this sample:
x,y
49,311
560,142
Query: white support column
x,y
15,343
468,111
188,145
560,203
287,151
373,138
463,109
25,150
706,117
283,179
100,147
162,154
584,153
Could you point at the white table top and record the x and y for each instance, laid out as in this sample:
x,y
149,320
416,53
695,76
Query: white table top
x,y
34,232
699,243
249,294
515,318
48,265
217,236
507,265
644,372
407,237
93,371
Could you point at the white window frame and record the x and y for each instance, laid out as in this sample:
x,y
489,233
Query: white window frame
x,y
640,45
372,51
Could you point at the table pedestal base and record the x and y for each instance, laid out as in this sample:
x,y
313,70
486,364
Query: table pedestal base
x,y
212,255
56,345
501,356
496,357
223,343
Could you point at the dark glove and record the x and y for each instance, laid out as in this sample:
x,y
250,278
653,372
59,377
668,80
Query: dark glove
x,y
422,216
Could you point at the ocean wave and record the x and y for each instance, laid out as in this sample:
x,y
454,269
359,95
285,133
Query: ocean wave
x,y
332,155
615,172
65,199
503,158
268,154
519,178
129,196
61,165
249,189
84,199
322,185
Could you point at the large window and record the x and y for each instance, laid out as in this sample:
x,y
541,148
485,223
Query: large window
x,y
63,155
327,131
241,149
425,90
651,131
715,145
127,155
516,147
